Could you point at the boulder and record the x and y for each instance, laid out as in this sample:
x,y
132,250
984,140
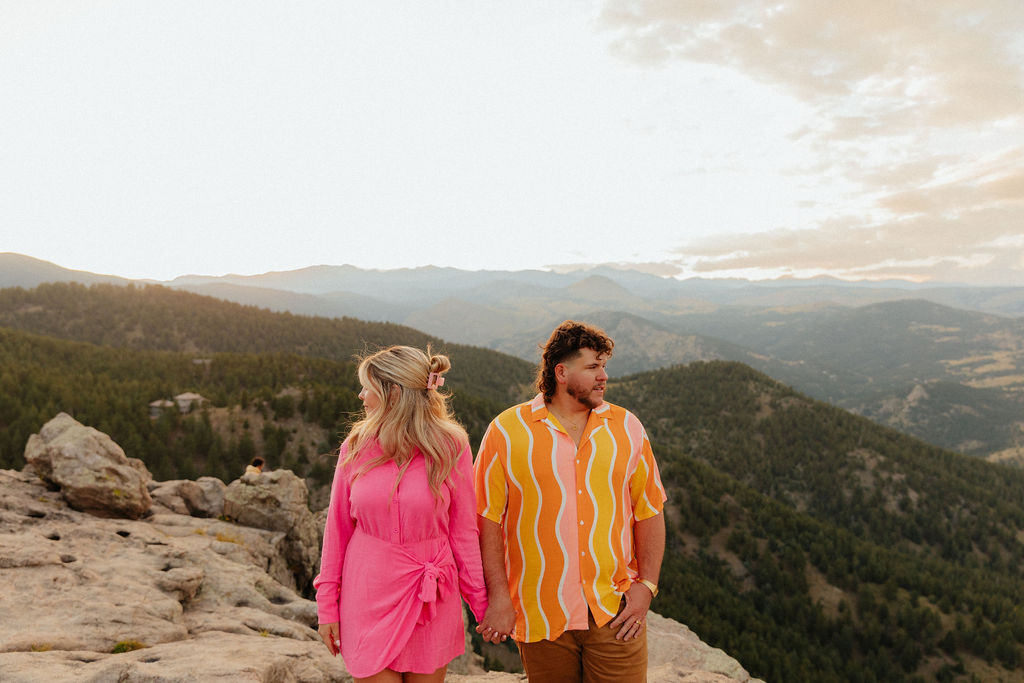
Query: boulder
x,y
167,494
203,497
277,501
92,472
673,648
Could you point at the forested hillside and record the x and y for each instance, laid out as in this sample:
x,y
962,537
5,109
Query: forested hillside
x,y
285,407
157,318
814,545
835,466
810,544
949,377
880,347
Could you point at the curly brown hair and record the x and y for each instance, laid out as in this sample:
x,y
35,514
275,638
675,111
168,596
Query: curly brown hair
x,y
565,344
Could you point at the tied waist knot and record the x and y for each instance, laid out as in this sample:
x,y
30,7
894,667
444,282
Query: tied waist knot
x,y
437,580
428,582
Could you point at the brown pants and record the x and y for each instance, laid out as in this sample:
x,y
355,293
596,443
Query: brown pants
x,y
592,656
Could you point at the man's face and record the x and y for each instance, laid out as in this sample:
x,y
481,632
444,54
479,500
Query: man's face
x,y
586,378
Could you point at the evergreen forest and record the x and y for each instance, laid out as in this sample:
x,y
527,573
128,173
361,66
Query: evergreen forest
x,y
808,543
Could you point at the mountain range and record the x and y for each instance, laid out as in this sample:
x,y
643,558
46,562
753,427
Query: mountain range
x,y
942,363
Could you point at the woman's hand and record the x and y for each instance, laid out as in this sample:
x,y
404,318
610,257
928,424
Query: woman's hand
x,y
331,636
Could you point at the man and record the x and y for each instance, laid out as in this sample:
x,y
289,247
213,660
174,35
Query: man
x,y
569,501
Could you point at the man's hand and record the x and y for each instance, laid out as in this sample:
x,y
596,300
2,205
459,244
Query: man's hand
x,y
331,636
631,621
649,535
500,617
498,621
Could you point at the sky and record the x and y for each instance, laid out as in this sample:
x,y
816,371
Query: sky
x,y
712,138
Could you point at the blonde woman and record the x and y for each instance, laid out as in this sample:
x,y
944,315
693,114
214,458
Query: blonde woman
x,y
401,542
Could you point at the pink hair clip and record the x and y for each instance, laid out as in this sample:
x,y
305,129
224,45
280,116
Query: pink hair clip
x,y
435,380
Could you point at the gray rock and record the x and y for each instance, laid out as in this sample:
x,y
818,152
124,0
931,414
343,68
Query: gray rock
x,y
182,582
209,656
673,648
168,495
91,471
277,501
203,497
79,585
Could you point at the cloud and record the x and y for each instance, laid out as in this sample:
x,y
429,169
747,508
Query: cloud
x,y
885,63
967,228
917,110
979,245
976,187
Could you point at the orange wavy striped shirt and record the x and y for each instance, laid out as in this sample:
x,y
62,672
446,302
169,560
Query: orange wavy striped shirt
x,y
567,513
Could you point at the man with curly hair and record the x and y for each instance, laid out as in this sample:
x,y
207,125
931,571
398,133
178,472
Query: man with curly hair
x,y
571,527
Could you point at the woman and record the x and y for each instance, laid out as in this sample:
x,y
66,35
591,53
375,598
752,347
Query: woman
x,y
401,542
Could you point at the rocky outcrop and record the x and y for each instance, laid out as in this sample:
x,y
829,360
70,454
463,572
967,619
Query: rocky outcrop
x,y
279,501
196,598
197,593
209,657
201,498
91,471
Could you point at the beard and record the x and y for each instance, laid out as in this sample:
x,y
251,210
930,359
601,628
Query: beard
x,y
584,396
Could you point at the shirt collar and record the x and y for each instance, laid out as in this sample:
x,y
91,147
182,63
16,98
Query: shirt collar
x,y
539,409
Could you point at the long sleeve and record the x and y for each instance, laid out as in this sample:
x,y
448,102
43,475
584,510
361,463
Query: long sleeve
x,y
464,536
337,533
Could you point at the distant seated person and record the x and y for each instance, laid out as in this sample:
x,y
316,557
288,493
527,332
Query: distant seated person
x,y
255,467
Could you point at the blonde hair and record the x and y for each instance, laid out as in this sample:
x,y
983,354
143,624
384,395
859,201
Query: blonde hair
x,y
410,416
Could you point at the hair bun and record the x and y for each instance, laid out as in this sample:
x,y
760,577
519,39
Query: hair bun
x,y
440,363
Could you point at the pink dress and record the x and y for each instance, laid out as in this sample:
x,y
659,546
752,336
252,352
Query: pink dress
x,y
394,564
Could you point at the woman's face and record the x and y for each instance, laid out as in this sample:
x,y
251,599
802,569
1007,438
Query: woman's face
x,y
370,400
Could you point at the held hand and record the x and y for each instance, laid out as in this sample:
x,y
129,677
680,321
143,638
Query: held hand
x,y
632,620
331,636
498,622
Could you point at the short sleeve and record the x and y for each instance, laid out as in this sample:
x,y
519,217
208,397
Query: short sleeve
x,y
489,477
645,487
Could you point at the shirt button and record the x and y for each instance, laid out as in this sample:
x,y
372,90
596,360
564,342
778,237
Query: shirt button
x,y
583,554
579,491
581,522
